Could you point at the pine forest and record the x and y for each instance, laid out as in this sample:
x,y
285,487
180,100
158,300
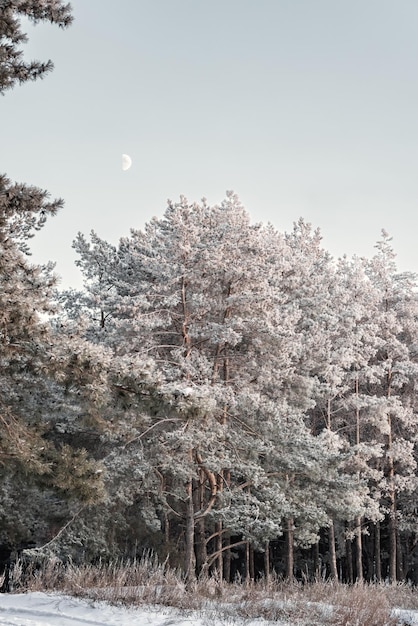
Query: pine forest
x,y
229,397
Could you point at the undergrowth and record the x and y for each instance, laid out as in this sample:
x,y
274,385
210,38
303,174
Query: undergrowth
x,y
148,582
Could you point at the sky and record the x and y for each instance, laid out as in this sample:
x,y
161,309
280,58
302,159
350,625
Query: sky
x,y
303,108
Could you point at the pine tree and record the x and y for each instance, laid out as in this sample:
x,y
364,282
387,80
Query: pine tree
x,y
45,391
203,297
395,369
183,294
361,417
13,69
49,389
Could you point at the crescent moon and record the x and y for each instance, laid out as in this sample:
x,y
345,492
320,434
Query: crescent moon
x,y
126,162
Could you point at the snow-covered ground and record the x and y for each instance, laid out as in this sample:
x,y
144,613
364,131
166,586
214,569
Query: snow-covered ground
x,y
41,609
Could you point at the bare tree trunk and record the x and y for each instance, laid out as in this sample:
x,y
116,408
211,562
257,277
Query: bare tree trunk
x,y
359,551
349,557
400,573
189,558
200,531
252,569
201,547
377,556
331,531
166,517
219,538
332,552
267,563
227,539
392,540
247,564
290,559
316,562
166,529
392,496
220,476
359,543
228,558
218,548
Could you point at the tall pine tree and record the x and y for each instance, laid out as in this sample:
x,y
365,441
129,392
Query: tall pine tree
x,y
47,387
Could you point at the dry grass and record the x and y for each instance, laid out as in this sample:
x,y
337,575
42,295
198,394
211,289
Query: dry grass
x,y
148,582
362,606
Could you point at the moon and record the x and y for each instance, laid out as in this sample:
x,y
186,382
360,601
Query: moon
x,y
126,162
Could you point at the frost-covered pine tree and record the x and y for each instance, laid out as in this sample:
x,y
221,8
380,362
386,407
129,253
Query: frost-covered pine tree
x,y
189,293
395,370
44,398
355,342
41,387
204,298
13,68
323,297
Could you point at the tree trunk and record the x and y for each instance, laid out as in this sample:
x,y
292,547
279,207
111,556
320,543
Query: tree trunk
x,y
252,569
316,562
359,551
227,538
359,543
331,531
219,538
392,512
228,558
218,548
189,557
267,563
220,476
349,557
247,564
200,532
290,559
392,497
377,556
201,548
166,517
400,573
392,540
332,552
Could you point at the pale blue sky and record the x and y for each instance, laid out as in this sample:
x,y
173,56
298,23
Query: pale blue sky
x,y
303,107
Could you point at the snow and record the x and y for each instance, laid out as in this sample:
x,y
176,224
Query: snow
x,y
42,609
